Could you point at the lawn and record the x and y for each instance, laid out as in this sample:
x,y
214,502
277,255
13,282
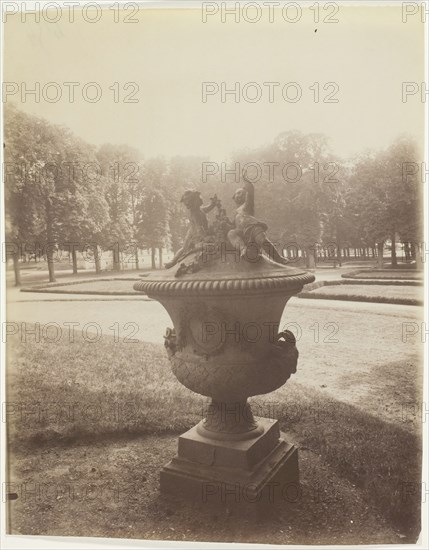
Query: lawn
x,y
70,403
123,286
400,294
398,274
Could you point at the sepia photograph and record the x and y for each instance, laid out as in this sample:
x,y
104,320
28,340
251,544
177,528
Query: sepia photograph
x,y
214,270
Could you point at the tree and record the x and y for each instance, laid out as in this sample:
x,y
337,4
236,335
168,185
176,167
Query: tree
x,y
19,215
151,218
290,188
34,198
405,192
182,173
55,193
119,167
83,206
384,202
368,200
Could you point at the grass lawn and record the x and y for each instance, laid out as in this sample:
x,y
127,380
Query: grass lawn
x,y
384,293
71,403
100,286
397,274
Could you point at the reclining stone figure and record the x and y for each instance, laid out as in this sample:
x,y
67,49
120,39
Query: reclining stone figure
x,y
248,229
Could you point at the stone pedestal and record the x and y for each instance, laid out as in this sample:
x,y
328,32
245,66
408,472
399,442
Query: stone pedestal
x,y
216,471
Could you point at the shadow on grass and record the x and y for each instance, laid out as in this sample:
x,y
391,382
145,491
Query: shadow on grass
x,y
69,392
380,458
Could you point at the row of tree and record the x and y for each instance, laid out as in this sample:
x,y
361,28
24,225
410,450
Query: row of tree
x,y
65,194
360,204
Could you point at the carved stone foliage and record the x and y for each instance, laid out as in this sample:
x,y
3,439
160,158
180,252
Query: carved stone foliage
x,y
207,370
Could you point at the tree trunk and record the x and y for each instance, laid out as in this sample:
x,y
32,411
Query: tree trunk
x,y
407,251
160,257
136,255
51,267
153,255
339,259
419,252
393,252
380,249
116,259
74,260
16,268
96,252
50,244
310,261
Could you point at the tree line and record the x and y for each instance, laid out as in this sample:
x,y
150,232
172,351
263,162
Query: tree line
x,y
65,194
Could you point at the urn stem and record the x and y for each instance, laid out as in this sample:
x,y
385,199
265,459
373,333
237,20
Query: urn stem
x,y
229,420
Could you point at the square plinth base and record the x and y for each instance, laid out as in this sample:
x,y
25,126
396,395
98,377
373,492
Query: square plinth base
x,y
264,468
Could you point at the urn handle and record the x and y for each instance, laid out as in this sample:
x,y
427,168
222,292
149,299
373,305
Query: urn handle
x,y
170,341
285,337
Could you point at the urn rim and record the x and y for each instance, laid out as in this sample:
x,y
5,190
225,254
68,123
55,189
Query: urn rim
x,y
281,280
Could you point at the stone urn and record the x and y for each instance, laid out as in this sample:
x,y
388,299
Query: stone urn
x,y
225,343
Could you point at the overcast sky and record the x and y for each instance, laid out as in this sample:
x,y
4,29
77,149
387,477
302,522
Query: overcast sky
x,y
369,53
